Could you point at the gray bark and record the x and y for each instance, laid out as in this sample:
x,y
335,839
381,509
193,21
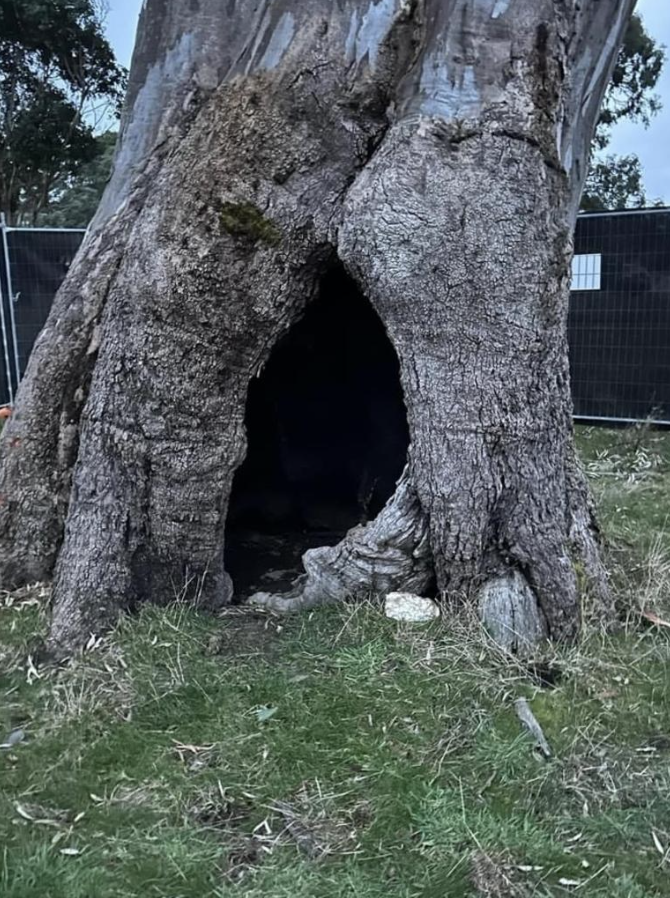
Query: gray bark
x,y
438,149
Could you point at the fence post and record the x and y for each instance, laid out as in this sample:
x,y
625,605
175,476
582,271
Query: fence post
x,y
3,322
12,300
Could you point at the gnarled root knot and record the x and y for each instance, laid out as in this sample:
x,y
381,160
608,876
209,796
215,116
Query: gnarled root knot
x,y
390,553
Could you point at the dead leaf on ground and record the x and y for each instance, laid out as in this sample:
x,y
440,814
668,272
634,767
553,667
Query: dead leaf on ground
x,y
43,816
658,845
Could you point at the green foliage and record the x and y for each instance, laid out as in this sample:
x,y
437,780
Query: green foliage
x,y
74,203
56,71
612,182
630,94
392,764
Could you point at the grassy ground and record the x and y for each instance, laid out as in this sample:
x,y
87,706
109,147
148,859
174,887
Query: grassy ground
x,y
339,754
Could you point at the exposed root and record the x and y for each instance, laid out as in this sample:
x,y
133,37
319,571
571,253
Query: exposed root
x,y
390,553
510,612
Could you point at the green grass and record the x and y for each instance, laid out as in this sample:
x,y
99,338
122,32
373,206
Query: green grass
x,y
337,753
630,473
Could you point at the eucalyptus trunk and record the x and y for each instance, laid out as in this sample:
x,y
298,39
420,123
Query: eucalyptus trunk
x,y
435,148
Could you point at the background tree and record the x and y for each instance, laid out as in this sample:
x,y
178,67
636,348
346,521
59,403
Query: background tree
x,y
617,182
75,198
59,76
613,182
437,151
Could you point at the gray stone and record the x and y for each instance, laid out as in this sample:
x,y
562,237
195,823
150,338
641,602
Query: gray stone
x,y
405,606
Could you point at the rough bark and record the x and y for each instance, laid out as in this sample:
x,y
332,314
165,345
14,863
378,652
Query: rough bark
x,y
437,148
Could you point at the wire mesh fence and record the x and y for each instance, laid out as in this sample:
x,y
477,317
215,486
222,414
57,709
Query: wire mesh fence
x,y
33,266
619,321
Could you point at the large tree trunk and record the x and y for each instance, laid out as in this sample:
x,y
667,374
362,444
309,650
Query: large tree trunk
x,y
436,148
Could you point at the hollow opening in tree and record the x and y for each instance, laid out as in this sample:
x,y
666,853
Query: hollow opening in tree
x,y
327,438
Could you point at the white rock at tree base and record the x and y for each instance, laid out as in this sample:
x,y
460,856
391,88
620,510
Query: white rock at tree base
x,y
406,606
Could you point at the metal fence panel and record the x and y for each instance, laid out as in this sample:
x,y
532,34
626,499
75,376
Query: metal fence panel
x,y
619,322
39,261
35,262
7,376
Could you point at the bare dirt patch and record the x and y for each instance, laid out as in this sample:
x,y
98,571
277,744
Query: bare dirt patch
x,y
246,631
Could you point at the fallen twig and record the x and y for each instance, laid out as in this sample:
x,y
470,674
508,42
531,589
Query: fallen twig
x,y
655,619
529,720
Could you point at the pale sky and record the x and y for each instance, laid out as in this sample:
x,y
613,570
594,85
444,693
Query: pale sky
x,y
652,145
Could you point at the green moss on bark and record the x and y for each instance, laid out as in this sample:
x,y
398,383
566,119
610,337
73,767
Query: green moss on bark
x,y
247,221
